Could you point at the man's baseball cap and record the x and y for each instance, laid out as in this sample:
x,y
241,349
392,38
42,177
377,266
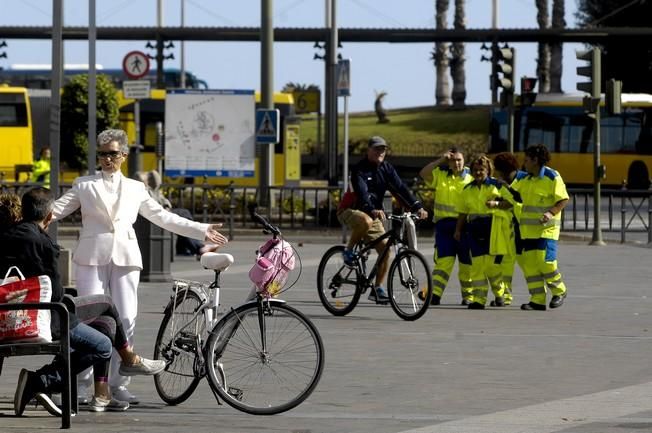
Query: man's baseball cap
x,y
377,141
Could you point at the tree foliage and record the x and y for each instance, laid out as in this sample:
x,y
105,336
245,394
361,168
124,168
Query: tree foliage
x,y
74,117
629,60
299,87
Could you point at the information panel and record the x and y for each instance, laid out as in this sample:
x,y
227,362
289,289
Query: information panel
x,y
210,133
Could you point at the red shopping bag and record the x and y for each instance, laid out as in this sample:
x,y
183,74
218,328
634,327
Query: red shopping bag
x,y
25,325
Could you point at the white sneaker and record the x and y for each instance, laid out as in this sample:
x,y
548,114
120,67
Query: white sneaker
x,y
145,367
49,405
99,404
122,393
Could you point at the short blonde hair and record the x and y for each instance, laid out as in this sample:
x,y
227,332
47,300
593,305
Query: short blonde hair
x,y
484,161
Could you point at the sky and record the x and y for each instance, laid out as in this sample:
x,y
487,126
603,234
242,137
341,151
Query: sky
x,y
404,71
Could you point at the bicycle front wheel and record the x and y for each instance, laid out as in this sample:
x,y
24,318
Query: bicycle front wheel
x,y
337,284
264,358
176,344
408,275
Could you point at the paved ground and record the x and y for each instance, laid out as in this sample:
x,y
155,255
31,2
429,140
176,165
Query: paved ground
x,y
582,368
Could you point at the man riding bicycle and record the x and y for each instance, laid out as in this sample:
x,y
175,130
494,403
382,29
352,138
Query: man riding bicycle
x,y
361,210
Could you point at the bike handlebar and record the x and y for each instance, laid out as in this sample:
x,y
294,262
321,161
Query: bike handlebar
x,y
267,227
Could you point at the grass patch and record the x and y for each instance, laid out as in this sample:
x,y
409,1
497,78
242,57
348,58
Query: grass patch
x,y
421,131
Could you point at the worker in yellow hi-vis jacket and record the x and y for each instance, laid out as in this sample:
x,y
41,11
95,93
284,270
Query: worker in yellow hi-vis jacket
x,y
447,176
487,230
544,196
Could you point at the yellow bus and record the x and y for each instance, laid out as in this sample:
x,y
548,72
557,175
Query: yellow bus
x,y
287,157
16,146
559,122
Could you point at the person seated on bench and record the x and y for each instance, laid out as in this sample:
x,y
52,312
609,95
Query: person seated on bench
x,y
95,328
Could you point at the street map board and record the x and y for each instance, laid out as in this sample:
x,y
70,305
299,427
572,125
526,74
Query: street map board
x,y
210,133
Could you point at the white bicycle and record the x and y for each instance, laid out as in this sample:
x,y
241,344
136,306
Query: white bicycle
x,y
262,357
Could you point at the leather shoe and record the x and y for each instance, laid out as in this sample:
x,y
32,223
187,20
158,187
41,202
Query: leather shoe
x,y
476,306
557,301
498,302
532,306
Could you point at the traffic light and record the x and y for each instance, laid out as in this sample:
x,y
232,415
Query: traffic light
x,y
591,71
612,96
505,66
528,95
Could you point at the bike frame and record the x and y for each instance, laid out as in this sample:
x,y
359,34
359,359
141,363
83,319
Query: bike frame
x,y
364,248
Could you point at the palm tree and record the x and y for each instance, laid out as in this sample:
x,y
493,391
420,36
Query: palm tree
x,y
543,60
556,52
457,58
440,56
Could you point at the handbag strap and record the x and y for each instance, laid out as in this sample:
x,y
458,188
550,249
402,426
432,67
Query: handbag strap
x,y
22,277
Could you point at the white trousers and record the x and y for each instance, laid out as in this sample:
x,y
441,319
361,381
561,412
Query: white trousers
x,y
121,283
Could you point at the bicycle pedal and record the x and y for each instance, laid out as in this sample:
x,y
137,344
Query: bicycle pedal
x,y
235,393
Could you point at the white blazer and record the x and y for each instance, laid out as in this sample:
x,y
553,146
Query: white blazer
x,y
109,236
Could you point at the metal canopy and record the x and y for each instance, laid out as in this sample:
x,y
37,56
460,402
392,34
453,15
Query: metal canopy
x,y
396,35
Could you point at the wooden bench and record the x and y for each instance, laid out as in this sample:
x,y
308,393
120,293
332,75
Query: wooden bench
x,y
56,347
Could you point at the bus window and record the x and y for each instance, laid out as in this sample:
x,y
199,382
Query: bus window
x,y
13,109
15,130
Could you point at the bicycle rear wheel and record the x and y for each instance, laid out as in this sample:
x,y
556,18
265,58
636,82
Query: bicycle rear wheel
x,y
337,284
264,382
176,344
408,275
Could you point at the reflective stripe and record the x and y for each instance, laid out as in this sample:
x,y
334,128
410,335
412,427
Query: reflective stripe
x,y
440,273
554,284
507,279
476,283
439,284
536,290
533,279
481,293
536,222
466,284
445,207
495,280
551,274
536,209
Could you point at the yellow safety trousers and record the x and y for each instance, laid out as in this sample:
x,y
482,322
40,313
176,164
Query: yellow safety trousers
x,y
485,273
507,271
541,275
441,274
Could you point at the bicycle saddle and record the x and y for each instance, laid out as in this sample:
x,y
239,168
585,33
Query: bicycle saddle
x,y
216,261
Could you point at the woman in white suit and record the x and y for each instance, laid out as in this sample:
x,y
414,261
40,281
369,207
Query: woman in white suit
x,y
107,257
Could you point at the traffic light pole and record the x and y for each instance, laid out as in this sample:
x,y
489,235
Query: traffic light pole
x,y
510,122
597,229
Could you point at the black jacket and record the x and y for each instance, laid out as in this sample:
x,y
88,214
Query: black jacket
x,y
371,181
28,247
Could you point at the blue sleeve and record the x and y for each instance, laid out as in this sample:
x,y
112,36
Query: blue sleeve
x,y
360,188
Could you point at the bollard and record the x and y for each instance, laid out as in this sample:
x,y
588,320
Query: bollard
x,y
156,249
64,265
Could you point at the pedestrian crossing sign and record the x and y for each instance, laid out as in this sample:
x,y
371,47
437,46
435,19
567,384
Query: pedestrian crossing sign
x,y
267,126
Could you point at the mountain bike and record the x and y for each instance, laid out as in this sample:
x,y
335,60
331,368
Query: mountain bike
x,y
340,285
262,357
